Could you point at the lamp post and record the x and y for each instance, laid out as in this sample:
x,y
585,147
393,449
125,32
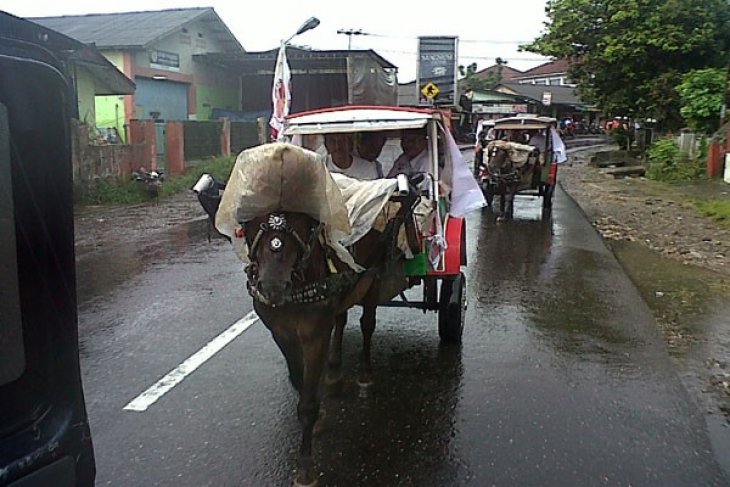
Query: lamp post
x,y
310,24
281,89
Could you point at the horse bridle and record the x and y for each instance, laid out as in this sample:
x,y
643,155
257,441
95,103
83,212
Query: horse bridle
x,y
278,224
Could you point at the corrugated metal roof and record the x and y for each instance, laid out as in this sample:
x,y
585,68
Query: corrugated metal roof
x,y
561,95
130,29
558,66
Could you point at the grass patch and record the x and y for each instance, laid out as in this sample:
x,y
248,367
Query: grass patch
x,y
717,209
132,192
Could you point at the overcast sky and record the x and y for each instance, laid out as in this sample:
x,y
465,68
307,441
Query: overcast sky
x,y
486,29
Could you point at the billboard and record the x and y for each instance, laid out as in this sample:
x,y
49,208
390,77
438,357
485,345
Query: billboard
x,y
437,70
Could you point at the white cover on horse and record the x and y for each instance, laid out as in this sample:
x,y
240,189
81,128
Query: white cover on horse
x,y
284,177
517,153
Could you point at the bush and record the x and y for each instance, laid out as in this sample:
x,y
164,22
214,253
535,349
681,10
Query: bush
x,y
106,192
667,163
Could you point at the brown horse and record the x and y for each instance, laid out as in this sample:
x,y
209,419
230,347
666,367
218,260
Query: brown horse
x,y
302,292
507,177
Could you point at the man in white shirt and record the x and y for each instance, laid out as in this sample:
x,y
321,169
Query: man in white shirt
x,y
342,160
369,147
414,159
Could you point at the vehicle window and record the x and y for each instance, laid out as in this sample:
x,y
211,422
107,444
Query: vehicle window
x,y
11,329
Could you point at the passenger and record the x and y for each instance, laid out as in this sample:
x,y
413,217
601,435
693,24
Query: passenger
x,y
369,147
342,160
538,140
414,159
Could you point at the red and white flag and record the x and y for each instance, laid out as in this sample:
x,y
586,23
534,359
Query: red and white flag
x,y
280,96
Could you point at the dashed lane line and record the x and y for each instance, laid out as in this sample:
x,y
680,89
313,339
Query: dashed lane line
x,y
176,375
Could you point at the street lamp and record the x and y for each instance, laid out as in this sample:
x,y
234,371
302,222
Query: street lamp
x,y
310,24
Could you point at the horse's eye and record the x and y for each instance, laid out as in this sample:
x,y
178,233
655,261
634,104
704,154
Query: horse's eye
x,y
275,244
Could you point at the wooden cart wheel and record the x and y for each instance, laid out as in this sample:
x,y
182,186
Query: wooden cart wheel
x,y
452,307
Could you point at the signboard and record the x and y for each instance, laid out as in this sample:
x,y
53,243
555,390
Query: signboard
x,y
505,108
437,65
547,98
165,60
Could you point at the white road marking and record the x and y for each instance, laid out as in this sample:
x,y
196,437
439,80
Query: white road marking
x,y
175,376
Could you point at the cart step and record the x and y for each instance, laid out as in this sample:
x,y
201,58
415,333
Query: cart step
x,y
410,304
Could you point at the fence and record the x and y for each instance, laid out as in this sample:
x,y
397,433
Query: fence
x,y
92,163
202,139
243,136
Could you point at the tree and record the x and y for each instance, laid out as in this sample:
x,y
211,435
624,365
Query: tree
x,y
628,57
472,82
703,93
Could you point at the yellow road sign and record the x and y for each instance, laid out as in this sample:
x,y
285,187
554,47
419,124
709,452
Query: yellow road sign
x,y
430,91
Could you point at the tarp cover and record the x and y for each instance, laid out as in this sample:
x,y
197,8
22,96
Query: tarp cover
x,y
518,153
283,177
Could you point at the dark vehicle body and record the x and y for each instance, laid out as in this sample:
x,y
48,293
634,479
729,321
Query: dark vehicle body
x,y
44,431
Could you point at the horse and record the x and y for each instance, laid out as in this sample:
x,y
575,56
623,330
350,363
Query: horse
x,y
302,290
511,167
304,304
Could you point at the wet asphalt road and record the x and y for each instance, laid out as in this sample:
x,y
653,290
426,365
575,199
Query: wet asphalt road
x,y
561,379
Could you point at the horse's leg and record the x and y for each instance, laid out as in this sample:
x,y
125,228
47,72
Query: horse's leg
x,y
315,340
334,360
510,207
292,351
367,325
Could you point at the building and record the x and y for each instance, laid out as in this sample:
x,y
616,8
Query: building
x,y
552,73
557,101
157,49
319,78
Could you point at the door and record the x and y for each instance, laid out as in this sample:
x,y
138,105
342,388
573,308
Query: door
x,y
44,431
161,146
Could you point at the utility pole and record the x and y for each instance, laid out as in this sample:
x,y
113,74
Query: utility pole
x,y
349,33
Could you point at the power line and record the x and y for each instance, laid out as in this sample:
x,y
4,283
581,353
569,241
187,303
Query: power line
x,y
470,41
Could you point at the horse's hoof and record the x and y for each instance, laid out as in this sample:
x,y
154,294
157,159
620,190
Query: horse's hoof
x,y
297,483
334,378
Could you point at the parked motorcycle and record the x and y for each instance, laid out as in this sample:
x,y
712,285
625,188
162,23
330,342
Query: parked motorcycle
x,y
152,180
209,191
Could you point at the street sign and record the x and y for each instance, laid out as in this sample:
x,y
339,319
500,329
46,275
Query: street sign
x,y
430,91
437,64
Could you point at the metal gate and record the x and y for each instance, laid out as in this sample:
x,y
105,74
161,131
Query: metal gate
x,y
161,145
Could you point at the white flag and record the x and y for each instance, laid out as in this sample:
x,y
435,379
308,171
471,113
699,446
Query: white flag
x,y
280,95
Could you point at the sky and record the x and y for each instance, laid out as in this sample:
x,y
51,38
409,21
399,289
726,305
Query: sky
x,y
487,29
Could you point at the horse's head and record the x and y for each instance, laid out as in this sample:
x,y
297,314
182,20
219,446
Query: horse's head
x,y
280,246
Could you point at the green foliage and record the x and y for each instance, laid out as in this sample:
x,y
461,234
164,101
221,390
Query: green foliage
x,y
472,82
717,209
668,164
703,92
628,57
108,192
621,137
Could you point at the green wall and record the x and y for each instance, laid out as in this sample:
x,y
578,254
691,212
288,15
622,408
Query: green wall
x,y
110,112
110,109
85,90
210,97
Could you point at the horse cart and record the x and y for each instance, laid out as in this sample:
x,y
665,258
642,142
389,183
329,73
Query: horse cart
x,y
522,158
317,242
